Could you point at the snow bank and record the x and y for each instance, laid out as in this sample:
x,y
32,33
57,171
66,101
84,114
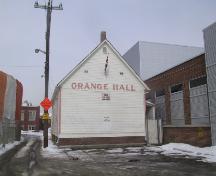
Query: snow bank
x,y
206,154
52,151
8,146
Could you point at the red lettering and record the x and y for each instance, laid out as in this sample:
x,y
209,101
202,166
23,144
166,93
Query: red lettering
x,y
74,85
121,87
86,86
105,87
99,86
115,86
93,86
80,85
127,89
132,88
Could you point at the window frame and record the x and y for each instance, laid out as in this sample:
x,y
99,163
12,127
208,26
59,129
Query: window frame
x,y
22,114
35,113
204,76
161,91
182,88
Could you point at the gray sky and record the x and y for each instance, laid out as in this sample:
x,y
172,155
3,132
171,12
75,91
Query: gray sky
x,y
75,32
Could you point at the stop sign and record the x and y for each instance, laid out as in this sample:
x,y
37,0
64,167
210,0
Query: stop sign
x,y
46,103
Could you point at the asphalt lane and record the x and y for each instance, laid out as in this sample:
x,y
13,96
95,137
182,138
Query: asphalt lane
x,y
121,162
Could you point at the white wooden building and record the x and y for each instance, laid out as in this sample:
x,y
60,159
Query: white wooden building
x,y
101,101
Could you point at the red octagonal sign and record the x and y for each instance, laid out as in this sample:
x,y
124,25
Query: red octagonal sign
x,y
46,103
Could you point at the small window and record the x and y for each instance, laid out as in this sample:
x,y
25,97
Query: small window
x,y
85,71
105,96
121,73
160,93
176,88
32,115
198,82
22,115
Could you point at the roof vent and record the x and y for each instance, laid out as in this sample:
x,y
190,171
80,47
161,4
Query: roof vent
x,y
103,36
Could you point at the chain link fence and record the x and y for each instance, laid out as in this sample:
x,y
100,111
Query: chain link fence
x,y
7,131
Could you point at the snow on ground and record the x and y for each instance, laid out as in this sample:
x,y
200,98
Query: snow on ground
x,y
24,150
206,154
52,151
8,146
115,150
32,133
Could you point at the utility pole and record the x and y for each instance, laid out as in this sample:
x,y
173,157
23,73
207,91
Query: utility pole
x,y
49,7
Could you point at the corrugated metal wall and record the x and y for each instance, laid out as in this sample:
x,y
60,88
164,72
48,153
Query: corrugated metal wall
x,y
10,99
10,107
177,109
199,105
210,48
3,83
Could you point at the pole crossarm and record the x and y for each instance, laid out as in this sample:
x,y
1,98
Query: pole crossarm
x,y
49,6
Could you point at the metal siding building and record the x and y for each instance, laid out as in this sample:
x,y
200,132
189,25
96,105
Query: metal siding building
x,y
101,101
149,59
10,106
210,49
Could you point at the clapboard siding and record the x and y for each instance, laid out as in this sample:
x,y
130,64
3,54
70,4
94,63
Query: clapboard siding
x,y
85,114
56,114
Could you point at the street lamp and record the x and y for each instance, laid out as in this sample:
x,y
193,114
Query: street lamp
x,y
39,50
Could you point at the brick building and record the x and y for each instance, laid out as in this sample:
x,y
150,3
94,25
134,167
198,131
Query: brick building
x,y
176,76
181,100
30,118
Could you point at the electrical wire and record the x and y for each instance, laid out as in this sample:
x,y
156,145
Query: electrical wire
x,y
22,66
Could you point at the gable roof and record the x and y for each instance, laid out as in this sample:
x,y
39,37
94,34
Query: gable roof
x,y
156,58
88,56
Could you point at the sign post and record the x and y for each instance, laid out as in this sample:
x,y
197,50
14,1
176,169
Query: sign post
x,y
46,104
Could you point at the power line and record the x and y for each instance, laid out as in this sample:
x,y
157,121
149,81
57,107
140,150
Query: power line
x,y
22,66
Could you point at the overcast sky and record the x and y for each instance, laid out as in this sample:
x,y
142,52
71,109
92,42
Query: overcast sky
x,y
75,32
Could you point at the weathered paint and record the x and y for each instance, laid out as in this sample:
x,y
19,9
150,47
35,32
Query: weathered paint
x,y
3,83
19,93
10,99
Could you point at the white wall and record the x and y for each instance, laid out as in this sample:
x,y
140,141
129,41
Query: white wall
x,y
85,114
56,115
